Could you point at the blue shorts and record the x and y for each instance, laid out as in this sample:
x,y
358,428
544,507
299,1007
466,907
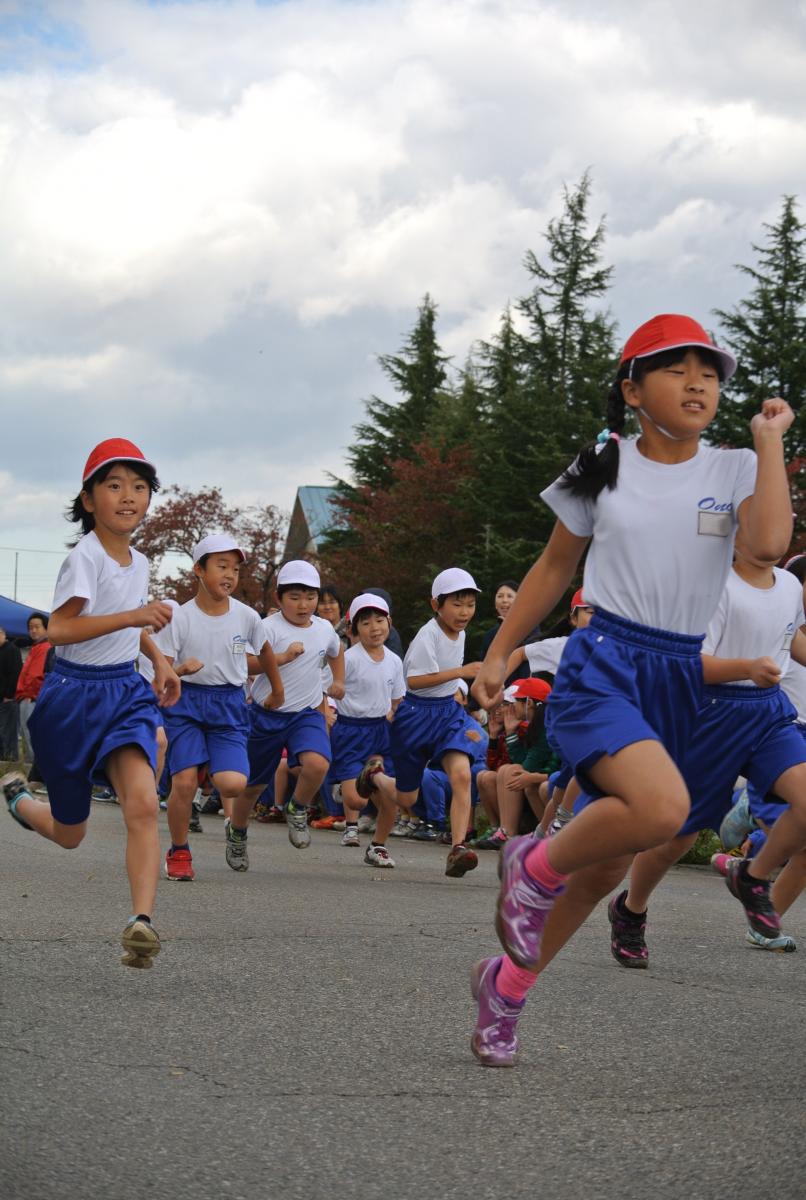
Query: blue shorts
x,y
746,731
209,725
560,779
620,683
82,714
425,729
355,739
271,732
764,804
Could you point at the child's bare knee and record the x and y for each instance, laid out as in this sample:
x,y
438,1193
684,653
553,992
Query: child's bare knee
x,y
69,837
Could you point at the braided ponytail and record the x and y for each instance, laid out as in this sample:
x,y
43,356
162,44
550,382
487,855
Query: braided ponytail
x,y
596,466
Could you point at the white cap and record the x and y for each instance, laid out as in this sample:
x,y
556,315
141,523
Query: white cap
x,y
367,600
511,694
216,543
453,580
299,571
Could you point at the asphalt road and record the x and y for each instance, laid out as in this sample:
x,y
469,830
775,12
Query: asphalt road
x,y
305,1034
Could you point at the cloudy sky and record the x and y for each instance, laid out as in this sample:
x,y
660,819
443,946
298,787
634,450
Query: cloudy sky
x,y
215,214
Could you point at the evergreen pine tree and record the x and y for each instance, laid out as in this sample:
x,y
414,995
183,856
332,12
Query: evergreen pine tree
x,y
418,374
767,333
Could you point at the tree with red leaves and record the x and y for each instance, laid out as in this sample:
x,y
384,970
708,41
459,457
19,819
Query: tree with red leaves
x,y
183,518
400,537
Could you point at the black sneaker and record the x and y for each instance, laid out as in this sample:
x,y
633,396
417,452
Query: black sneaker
x,y
14,786
195,825
754,897
212,805
627,944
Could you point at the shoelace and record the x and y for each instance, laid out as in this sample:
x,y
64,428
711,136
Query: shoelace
x,y
297,817
380,852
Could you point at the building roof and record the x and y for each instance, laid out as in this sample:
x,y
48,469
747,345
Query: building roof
x,y
314,513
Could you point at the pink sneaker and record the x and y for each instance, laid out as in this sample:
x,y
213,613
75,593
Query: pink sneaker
x,y
720,862
523,905
495,1039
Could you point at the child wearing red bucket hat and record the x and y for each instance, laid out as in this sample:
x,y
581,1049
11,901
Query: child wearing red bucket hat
x,y
96,718
660,512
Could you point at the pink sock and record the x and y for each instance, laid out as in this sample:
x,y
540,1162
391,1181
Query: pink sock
x,y
540,869
513,982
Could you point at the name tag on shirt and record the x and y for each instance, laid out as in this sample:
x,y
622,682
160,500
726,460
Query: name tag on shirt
x,y
715,524
788,636
238,646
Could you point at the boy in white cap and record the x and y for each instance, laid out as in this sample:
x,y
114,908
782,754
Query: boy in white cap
x,y
429,725
210,724
374,686
303,644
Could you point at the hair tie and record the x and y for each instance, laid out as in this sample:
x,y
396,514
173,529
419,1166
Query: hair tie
x,y
606,435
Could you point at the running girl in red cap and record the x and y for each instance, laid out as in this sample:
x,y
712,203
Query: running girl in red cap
x,y
96,718
660,513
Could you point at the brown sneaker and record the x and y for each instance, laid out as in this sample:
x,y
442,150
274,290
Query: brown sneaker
x,y
460,861
363,784
141,942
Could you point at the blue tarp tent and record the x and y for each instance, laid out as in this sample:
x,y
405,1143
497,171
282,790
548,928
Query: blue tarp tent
x,y
14,617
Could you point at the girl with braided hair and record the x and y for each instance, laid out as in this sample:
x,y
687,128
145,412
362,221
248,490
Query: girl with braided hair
x,y
660,513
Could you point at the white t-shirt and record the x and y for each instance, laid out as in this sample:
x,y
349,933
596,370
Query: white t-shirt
x,y
793,685
302,678
432,650
221,643
89,573
545,655
370,686
752,622
663,538
144,664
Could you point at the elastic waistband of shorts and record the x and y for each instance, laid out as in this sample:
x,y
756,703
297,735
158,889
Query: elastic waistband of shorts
x,y
370,721
225,689
89,671
736,691
429,701
685,645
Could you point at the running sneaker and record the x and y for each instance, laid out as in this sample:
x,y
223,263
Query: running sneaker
x,y
425,832
141,942
104,795
179,866
195,825
363,784
270,815
350,836
783,944
235,847
495,1038
212,805
461,859
492,841
297,821
720,862
523,906
15,786
328,822
366,824
378,856
737,823
627,944
402,826
754,897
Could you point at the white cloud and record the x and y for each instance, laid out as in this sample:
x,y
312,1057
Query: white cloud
x,y
216,214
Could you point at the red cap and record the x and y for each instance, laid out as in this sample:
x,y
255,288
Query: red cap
x,y
577,601
531,689
668,332
110,451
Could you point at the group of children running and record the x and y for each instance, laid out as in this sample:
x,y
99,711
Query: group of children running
x,y
666,691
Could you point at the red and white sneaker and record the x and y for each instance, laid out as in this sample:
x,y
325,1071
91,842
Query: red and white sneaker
x,y
179,866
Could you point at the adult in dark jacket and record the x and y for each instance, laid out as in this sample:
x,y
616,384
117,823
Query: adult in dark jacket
x,y
10,667
505,593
